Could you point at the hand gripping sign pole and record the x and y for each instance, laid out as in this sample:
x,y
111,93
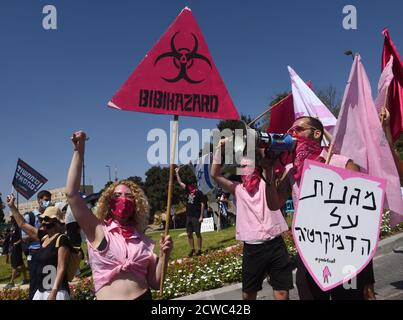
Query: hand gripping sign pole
x,y
177,77
169,200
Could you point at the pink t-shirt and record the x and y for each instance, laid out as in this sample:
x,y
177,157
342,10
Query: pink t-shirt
x,y
254,220
336,160
133,255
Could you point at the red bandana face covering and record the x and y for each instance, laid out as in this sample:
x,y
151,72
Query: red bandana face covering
x,y
123,208
192,188
306,149
251,181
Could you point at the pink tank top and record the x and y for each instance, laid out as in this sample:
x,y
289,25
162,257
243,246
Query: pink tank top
x,y
133,255
254,220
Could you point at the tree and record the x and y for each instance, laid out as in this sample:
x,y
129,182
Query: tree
x,y
329,97
156,186
235,124
137,180
1,211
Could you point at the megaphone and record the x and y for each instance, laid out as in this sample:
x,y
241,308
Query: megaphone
x,y
274,142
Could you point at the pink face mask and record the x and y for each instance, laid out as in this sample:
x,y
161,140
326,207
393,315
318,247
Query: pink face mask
x,y
122,208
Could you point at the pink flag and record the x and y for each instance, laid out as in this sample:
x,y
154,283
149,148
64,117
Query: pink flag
x,y
383,85
359,136
306,103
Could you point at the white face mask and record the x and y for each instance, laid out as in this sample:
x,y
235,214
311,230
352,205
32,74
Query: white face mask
x,y
45,204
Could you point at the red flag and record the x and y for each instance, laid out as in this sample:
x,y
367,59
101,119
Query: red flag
x,y
395,101
178,76
282,114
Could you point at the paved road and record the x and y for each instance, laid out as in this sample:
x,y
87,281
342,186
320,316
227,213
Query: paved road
x,y
388,275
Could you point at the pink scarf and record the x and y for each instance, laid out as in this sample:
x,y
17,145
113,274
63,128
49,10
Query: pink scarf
x,y
126,230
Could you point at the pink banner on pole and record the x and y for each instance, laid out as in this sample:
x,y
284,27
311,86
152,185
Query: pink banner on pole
x,y
178,76
359,136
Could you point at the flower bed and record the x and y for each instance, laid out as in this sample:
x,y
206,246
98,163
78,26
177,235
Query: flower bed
x,y
190,275
210,271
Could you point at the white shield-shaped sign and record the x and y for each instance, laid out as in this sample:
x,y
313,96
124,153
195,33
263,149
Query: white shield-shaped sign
x,y
337,222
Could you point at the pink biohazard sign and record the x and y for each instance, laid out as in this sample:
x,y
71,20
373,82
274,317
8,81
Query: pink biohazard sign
x,y
178,76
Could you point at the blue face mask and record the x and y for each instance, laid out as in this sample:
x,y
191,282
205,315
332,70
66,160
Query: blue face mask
x,y
45,204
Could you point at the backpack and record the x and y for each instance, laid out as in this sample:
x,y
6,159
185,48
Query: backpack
x,y
26,240
76,255
32,218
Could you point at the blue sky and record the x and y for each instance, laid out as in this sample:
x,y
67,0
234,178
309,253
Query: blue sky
x,y
55,82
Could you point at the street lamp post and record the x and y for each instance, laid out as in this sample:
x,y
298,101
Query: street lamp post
x,y
109,170
349,53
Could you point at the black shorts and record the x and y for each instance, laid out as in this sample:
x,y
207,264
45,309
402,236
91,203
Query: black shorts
x,y
270,258
192,225
16,256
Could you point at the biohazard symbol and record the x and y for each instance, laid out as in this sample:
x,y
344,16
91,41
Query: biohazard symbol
x,y
183,60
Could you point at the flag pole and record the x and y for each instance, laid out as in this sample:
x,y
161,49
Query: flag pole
x,y
330,153
267,111
385,105
169,200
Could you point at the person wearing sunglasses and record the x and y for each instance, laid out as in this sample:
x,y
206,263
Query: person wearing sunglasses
x,y
53,255
258,227
123,264
308,132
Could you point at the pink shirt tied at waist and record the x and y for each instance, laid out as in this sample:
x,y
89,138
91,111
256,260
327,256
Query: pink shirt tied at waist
x,y
254,220
133,255
336,160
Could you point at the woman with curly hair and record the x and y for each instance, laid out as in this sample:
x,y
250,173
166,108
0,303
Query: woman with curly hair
x,y
123,264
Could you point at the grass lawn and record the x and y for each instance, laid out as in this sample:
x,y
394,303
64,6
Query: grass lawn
x,y
5,271
211,241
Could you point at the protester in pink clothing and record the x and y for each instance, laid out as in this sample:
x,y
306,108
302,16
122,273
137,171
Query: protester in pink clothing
x,y
260,229
121,257
309,132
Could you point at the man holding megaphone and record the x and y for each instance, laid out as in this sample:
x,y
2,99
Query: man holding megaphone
x,y
264,251
308,132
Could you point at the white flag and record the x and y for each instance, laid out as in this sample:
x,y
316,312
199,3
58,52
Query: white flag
x,y
306,103
202,167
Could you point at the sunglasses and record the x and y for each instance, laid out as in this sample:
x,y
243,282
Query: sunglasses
x,y
299,129
129,196
45,219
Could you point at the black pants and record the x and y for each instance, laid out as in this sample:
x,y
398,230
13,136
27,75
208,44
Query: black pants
x,y
309,290
32,267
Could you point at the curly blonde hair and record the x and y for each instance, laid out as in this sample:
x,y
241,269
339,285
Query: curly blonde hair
x,y
142,207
